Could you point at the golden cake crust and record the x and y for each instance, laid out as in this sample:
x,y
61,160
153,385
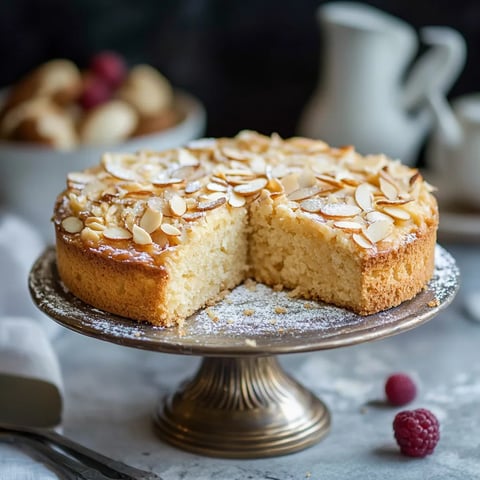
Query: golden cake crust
x,y
155,236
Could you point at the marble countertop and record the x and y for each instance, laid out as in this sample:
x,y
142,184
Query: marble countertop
x,y
111,391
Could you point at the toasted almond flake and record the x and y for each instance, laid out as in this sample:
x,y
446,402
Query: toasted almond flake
x,y
117,233
117,165
193,187
214,196
165,182
375,216
156,203
280,171
329,180
80,177
216,187
236,201
398,201
397,212
240,172
251,188
350,226
90,220
312,205
151,220
210,205
388,189
170,230
89,235
186,158
290,183
361,241
192,216
306,178
378,231
303,193
183,172
177,205
274,186
340,210
416,176
72,224
97,226
235,154
364,197
140,236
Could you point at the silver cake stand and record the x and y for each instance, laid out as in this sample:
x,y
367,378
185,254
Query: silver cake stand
x,y
241,403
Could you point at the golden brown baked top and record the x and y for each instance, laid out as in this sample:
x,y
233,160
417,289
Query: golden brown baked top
x,y
133,207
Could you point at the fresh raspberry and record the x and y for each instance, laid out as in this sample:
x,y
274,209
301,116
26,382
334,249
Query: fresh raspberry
x,y
417,432
110,67
400,389
95,92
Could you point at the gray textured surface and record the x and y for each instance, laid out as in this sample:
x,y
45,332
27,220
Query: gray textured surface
x,y
112,390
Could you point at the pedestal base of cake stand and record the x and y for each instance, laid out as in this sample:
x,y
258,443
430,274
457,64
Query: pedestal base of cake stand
x,y
242,408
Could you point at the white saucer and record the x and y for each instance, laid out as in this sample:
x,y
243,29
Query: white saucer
x,y
457,223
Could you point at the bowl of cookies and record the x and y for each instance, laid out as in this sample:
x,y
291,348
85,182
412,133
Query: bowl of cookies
x,y
59,119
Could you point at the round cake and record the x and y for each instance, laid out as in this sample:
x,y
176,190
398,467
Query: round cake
x,y
155,236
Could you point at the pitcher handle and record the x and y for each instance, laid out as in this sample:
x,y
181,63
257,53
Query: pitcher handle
x,y
438,68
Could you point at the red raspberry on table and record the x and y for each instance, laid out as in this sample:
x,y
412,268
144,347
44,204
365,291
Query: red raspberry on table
x,y
110,67
400,389
417,432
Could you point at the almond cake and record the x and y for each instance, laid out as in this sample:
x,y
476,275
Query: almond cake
x,y
155,236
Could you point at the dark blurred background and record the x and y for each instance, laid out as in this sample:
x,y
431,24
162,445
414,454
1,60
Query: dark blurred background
x,y
254,64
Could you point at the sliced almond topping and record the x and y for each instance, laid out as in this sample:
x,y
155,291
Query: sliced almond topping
x,y
280,171
235,154
340,210
236,201
375,216
177,205
118,165
361,241
117,233
151,220
165,182
290,183
210,197
216,187
193,187
240,172
303,193
140,236
192,216
349,226
170,230
156,203
186,158
275,186
80,178
251,188
388,189
312,205
89,235
416,176
72,224
398,201
377,231
364,197
330,180
210,205
397,212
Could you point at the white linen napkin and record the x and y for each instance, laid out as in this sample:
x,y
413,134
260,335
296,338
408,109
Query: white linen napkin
x,y
20,246
30,380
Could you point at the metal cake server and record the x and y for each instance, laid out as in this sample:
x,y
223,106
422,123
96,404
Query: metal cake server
x,y
75,461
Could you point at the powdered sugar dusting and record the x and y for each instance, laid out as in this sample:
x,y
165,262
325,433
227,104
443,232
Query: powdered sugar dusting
x,y
253,318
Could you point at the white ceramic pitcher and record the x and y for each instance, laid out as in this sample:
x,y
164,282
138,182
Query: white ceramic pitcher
x,y
362,97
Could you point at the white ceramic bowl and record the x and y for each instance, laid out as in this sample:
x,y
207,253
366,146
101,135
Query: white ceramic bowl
x,y
31,176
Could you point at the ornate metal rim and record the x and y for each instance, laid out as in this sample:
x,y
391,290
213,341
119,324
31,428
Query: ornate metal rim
x,y
53,299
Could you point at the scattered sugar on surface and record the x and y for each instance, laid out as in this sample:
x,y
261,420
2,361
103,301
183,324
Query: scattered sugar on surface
x,y
303,320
